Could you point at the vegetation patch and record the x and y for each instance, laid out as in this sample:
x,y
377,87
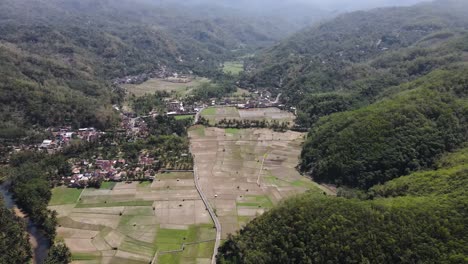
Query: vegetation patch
x,y
232,131
262,201
171,239
173,258
86,256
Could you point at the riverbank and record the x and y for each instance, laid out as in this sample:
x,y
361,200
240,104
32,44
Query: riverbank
x,y
39,243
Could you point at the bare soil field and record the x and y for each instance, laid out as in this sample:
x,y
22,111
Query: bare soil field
x,y
270,113
246,172
130,222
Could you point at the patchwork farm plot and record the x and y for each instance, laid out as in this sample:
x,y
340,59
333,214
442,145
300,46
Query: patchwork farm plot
x,y
132,222
214,115
245,172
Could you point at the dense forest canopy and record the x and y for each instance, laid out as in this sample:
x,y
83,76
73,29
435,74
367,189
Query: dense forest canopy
x,y
393,137
14,242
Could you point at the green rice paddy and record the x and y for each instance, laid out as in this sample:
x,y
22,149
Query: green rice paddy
x,y
209,111
183,117
233,67
63,195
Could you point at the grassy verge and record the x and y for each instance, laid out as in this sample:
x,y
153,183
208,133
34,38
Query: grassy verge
x,y
85,256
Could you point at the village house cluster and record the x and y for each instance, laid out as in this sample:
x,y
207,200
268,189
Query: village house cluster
x,y
91,174
261,99
134,126
162,73
61,137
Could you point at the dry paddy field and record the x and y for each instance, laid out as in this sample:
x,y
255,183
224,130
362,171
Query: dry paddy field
x,y
246,172
216,114
130,222
153,85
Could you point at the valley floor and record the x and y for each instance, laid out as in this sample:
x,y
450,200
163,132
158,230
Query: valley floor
x,y
242,172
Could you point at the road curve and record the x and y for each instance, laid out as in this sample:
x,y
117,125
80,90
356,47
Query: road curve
x,y
210,210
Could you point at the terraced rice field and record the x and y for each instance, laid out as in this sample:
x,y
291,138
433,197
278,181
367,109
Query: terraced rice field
x,y
246,172
130,223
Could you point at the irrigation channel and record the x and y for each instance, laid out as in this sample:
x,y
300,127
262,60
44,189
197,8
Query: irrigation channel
x,y
39,243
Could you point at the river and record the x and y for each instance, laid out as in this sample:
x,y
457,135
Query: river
x,y
39,243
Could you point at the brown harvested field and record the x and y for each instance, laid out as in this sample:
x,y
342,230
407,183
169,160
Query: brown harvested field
x,y
270,113
129,223
153,85
246,172
216,114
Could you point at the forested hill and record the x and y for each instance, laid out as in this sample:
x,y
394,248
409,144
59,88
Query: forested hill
x,y
382,92
384,95
58,56
350,60
129,36
419,218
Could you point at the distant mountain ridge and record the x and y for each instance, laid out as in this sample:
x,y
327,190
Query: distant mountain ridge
x,y
338,56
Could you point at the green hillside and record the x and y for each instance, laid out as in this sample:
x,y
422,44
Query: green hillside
x,y
393,137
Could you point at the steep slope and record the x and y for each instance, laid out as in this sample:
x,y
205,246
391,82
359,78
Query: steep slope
x,y
393,137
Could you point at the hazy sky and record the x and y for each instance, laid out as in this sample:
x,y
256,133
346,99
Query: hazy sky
x,y
357,4
341,5
299,12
